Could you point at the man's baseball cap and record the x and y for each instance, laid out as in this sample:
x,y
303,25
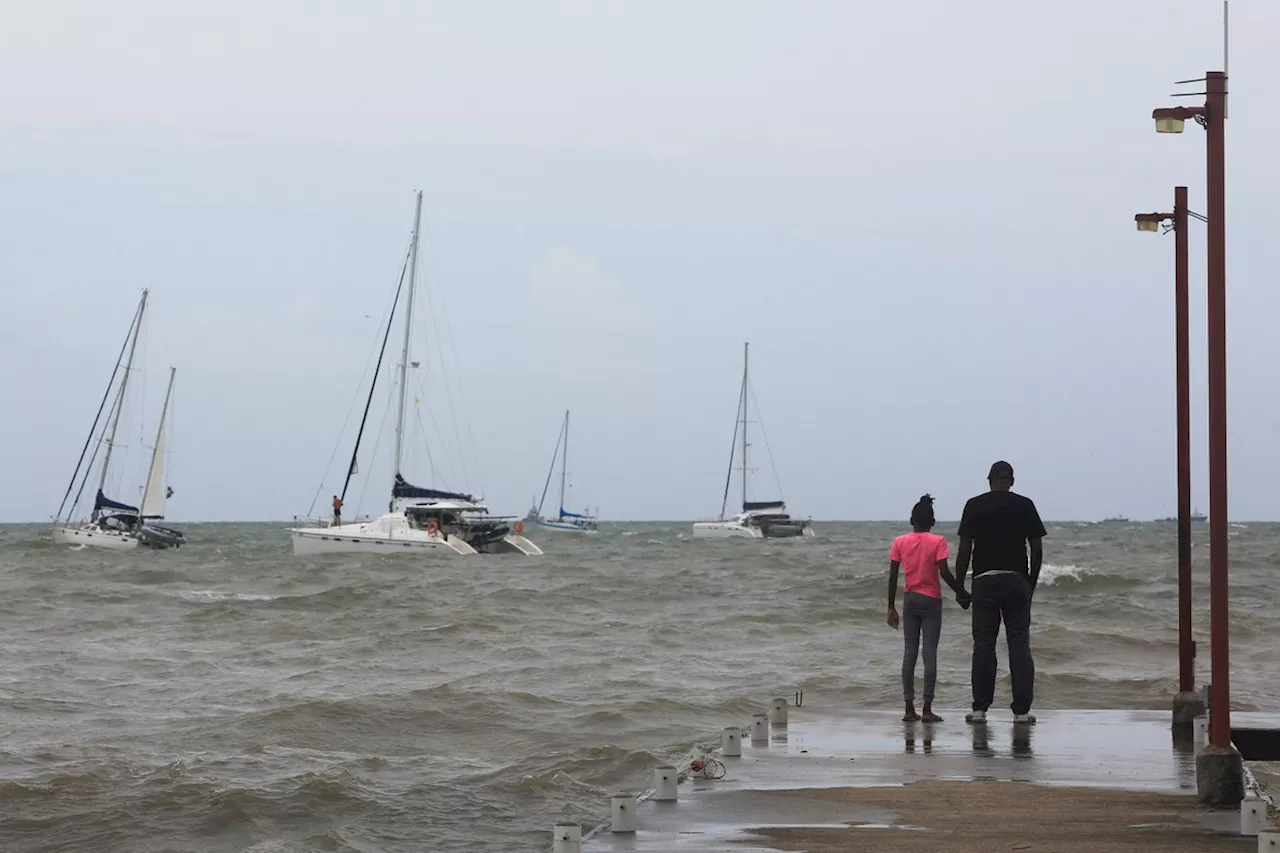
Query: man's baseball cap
x,y
1001,471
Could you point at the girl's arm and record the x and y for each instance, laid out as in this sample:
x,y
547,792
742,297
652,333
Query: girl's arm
x,y
892,620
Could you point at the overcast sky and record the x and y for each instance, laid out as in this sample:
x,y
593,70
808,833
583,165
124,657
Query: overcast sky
x,y
919,214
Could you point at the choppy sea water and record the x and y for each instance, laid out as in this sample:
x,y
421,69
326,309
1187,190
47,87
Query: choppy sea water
x,y
230,696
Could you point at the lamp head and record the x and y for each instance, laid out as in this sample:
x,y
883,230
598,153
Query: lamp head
x,y
1149,221
1174,119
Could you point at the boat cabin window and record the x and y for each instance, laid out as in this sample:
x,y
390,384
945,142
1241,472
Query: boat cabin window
x,y
420,517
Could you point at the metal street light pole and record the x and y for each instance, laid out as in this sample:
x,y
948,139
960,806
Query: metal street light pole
x,y
1182,334
1169,120
1216,254
1187,705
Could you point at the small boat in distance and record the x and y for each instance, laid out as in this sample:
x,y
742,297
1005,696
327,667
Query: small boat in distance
x,y
114,524
758,519
563,521
1115,519
1197,517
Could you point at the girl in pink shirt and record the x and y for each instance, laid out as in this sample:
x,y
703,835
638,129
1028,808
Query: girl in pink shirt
x,y
922,556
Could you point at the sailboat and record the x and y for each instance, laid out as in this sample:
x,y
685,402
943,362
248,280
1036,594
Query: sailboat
x,y
417,519
565,521
112,523
758,519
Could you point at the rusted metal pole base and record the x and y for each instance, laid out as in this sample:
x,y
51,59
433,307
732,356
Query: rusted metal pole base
x,y
1186,707
1219,776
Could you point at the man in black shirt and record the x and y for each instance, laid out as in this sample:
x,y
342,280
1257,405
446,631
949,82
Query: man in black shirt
x,y
996,530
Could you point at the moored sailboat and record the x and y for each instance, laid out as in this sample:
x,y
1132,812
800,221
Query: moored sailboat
x,y
418,519
563,520
114,524
758,519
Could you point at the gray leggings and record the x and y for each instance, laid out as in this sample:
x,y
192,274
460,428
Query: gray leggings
x,y
921,615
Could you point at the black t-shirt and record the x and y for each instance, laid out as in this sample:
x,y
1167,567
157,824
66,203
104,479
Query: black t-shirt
x,y
1000,523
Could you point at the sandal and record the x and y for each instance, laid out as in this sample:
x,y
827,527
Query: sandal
x,y
931,718
910,718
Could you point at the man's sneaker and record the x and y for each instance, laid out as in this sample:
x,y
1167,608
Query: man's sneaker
x,y
975,717
1025,719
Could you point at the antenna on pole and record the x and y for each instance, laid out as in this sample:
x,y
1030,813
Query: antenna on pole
x,y
1226,46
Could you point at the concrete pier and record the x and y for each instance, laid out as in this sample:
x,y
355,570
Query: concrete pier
x,y
1186,707
833,780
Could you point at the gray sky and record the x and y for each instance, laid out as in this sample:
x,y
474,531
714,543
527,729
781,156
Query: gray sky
x,y
920,214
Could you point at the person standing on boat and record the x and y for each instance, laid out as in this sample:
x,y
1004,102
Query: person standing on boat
x,y
922,557
337,511
997,529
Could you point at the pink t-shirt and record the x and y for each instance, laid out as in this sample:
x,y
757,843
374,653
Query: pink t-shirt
x,y
919,553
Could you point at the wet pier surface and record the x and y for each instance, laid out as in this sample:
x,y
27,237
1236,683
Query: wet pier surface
x,y
836,780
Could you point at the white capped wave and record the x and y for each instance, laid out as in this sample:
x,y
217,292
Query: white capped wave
x,y
1051,574
215,595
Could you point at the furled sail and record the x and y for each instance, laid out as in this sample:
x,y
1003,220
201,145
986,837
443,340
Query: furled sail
x,y
403,489
153,498
104,502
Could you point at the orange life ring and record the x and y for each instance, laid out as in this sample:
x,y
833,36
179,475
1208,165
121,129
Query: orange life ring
x,y
432,527
518,527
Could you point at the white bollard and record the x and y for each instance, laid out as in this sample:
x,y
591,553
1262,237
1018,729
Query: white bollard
x,y
1202,730
731,742
760,728
568,837
622,807
1253,816
779,712
664,784
1269,842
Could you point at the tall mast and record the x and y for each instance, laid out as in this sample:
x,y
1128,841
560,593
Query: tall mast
x,y
564,463
159,447
408,327
124,383
745,348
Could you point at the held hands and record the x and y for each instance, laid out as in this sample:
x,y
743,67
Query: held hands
x,y
893,621
964,599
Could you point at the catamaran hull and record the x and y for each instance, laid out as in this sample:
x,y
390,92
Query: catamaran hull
x,y
787,531
724,530
733,530
336,540
514,543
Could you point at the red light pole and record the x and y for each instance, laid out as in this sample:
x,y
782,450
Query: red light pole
x,y
1187,705
1218,766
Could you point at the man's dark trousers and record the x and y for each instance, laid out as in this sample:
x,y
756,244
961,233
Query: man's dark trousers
x,y
1003,596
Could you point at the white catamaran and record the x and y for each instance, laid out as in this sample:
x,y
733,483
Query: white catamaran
x,y
114,524
418,520
758,519
564,521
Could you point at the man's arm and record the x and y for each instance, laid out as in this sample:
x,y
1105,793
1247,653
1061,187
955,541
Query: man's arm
x,y
963,554
965,551
1035,535
1037,558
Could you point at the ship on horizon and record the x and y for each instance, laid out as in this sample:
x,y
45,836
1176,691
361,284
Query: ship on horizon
x,y
1196,517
